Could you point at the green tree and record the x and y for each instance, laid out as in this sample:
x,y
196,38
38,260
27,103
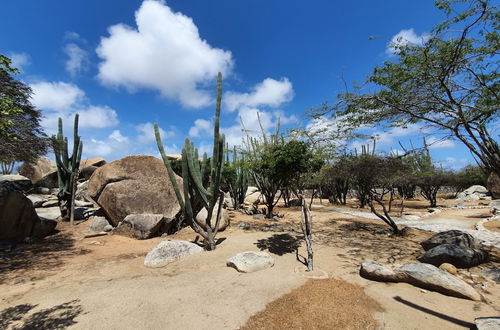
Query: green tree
x,y
450,83
21,137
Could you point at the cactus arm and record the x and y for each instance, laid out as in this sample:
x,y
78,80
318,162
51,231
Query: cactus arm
x,y
170,172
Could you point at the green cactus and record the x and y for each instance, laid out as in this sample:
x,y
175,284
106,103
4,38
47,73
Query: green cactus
x,y
236,176
67,169
196,194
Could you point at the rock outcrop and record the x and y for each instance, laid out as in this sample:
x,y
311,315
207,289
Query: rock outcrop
x,y
421,275
134,185
455,237
38,170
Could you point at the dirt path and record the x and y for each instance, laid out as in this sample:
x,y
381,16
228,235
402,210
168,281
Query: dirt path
x,y
101,283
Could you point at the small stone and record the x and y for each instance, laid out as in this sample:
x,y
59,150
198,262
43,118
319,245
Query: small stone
x,y
248,262
448,268
244,225
99,224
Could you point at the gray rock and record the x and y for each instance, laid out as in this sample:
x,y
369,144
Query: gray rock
x,y
458,256
495,204
424,276
82,192
99,224
224,220
461,195
50,203
20,182
229,202
472,197
250,261
38,200
139,226
49,180
487,323
244,225
492,273
455,237
17,214
273,228
43,228
170,251
432,278
476,189
52,213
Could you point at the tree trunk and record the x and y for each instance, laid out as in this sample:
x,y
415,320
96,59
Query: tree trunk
x,y
306,225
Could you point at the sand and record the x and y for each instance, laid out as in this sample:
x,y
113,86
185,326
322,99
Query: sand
x,y
101,283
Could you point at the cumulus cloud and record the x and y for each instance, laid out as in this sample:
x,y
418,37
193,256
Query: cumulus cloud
x,y
147,134
19,60
200,128
164,52
403,38
78,59
60,99
57,96
269,92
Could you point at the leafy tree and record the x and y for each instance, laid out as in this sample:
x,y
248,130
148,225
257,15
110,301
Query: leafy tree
x,y
468,176
21,137
450,83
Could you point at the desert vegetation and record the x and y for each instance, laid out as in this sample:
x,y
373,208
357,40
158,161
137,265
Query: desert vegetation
x,y
290,228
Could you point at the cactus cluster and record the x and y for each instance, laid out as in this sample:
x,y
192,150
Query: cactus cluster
x,y
236,176
67,168
197,192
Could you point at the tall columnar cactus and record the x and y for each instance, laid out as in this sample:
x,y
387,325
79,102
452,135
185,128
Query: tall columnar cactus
x,y
236,176
67,169
195,194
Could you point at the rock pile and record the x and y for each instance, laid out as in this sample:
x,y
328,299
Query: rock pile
x,y
474,193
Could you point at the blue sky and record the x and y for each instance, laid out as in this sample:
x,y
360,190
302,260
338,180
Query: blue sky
x,y
124,65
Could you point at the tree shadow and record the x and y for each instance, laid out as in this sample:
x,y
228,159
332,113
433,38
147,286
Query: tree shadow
x,y
57,317
434,313
20,262
279,244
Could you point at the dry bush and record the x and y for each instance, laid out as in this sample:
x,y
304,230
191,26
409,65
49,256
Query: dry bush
x,y
319,304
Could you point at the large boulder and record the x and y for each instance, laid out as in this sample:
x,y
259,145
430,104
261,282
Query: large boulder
x,y
169,251
458,256
49,180
18,218
252,195
20,182
38,170
139,226
493,185
134,185
224,218
455,237
88,166
421,275
475,190
250,261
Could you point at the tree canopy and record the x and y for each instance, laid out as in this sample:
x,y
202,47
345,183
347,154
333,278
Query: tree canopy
x,y
450,82
21,137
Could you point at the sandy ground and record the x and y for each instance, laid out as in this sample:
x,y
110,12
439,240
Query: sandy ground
x,y
101,283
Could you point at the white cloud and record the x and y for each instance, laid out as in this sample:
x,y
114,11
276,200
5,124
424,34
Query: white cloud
x,y
165,53
147,133
98,117
200,128
453,163
403,38
78,59
117,136
57,96
60,99
19,60
269,92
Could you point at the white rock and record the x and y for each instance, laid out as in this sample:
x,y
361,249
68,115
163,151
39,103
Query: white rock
x,y
487,323
169,251
475,189
224,220
250,261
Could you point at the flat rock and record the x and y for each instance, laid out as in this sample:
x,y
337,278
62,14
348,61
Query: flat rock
x,y
170,251
458,256
250,261
50,203
21,183
52,213
476,189
424,276
487,323
455,237
139,226
38,200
